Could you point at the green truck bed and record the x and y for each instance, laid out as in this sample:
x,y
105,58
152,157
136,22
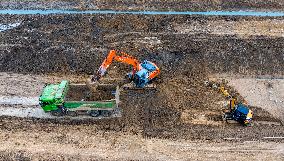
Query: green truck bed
x,y
77,97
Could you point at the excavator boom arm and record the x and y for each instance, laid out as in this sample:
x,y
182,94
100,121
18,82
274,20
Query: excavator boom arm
x,y
124,58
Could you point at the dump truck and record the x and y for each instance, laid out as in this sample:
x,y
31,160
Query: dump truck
x,y
73,100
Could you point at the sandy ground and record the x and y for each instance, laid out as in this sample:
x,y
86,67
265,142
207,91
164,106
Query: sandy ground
x,y
242,28
30,85
265,93
74,145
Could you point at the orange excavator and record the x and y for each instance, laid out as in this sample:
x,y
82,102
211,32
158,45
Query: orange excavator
x,y
142,73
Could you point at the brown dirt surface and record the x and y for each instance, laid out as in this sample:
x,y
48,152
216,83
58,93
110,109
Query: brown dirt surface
x,y
84,142
181,112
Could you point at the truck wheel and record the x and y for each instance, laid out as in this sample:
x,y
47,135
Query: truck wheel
x,y
227,116
72,113
57,112
105,113
94,113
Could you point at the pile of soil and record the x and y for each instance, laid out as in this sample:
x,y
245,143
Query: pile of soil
x,y
82,92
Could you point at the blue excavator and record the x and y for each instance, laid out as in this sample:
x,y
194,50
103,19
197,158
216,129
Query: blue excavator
x,y
237,111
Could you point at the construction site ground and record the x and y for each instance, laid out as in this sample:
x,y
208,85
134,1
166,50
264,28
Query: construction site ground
x,y
182,119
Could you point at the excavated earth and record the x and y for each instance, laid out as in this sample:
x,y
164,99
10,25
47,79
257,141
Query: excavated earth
x,y
188,49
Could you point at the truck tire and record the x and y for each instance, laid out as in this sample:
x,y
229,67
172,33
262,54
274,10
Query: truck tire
x,y
105,113
57,113
94,113
227,116
72,113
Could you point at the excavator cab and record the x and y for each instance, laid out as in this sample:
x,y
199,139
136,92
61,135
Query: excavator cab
x,y
242,114
239,112
142,77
